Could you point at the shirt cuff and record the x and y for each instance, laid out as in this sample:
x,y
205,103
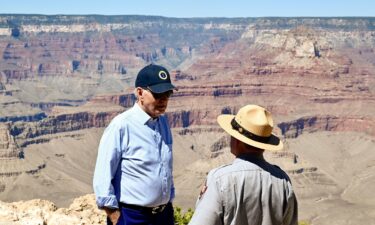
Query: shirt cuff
x,y
109,202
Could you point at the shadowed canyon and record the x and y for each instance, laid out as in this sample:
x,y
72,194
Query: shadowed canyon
x,y
63,78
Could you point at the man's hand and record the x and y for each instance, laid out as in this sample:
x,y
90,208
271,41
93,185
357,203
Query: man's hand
x,y
113,215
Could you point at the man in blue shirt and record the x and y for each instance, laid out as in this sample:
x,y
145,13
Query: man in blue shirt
x,y
133,179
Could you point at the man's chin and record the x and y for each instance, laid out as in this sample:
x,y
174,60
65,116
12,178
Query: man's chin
x,y
159,112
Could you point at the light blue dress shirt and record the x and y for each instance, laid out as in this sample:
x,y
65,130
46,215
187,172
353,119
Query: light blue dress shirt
x,y
134,163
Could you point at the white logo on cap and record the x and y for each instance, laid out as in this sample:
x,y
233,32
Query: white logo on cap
x,y
163,75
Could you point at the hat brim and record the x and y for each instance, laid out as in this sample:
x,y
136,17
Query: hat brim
x,y
273,144
163,87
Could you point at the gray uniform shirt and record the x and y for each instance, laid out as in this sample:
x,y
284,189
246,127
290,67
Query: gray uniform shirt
x,y
250,191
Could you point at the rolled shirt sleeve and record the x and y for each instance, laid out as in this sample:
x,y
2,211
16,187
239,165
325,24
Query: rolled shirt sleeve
x,y
108,160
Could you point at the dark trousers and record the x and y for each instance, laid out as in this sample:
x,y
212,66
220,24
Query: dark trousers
x,y
131,216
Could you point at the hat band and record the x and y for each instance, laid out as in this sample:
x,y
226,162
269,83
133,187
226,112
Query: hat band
x,y
248,134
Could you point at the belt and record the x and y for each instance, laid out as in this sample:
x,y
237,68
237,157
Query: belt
x,y
152,210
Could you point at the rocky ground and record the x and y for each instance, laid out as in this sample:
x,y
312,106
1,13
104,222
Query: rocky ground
x,y
82,211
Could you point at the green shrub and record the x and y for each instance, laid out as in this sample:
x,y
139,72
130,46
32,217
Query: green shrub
x,y
181,218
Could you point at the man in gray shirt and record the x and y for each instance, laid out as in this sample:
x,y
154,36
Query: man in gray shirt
x,y
250,191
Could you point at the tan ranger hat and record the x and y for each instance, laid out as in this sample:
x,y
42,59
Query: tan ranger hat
x,y
252,125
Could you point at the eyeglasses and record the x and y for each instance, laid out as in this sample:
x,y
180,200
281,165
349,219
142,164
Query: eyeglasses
x,y
157,96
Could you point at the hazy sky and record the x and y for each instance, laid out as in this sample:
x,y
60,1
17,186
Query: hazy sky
x,y
194,8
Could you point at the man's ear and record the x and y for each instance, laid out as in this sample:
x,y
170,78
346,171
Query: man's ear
x,y
139,92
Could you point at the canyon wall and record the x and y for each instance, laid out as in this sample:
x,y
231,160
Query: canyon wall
x,y
63,77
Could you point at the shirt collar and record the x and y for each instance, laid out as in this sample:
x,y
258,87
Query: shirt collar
x,y
141,115
250,157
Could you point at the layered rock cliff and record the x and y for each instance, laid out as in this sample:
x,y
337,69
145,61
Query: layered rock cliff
x,y
12,158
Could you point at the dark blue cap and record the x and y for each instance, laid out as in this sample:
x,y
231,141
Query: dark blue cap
x,y
156,78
